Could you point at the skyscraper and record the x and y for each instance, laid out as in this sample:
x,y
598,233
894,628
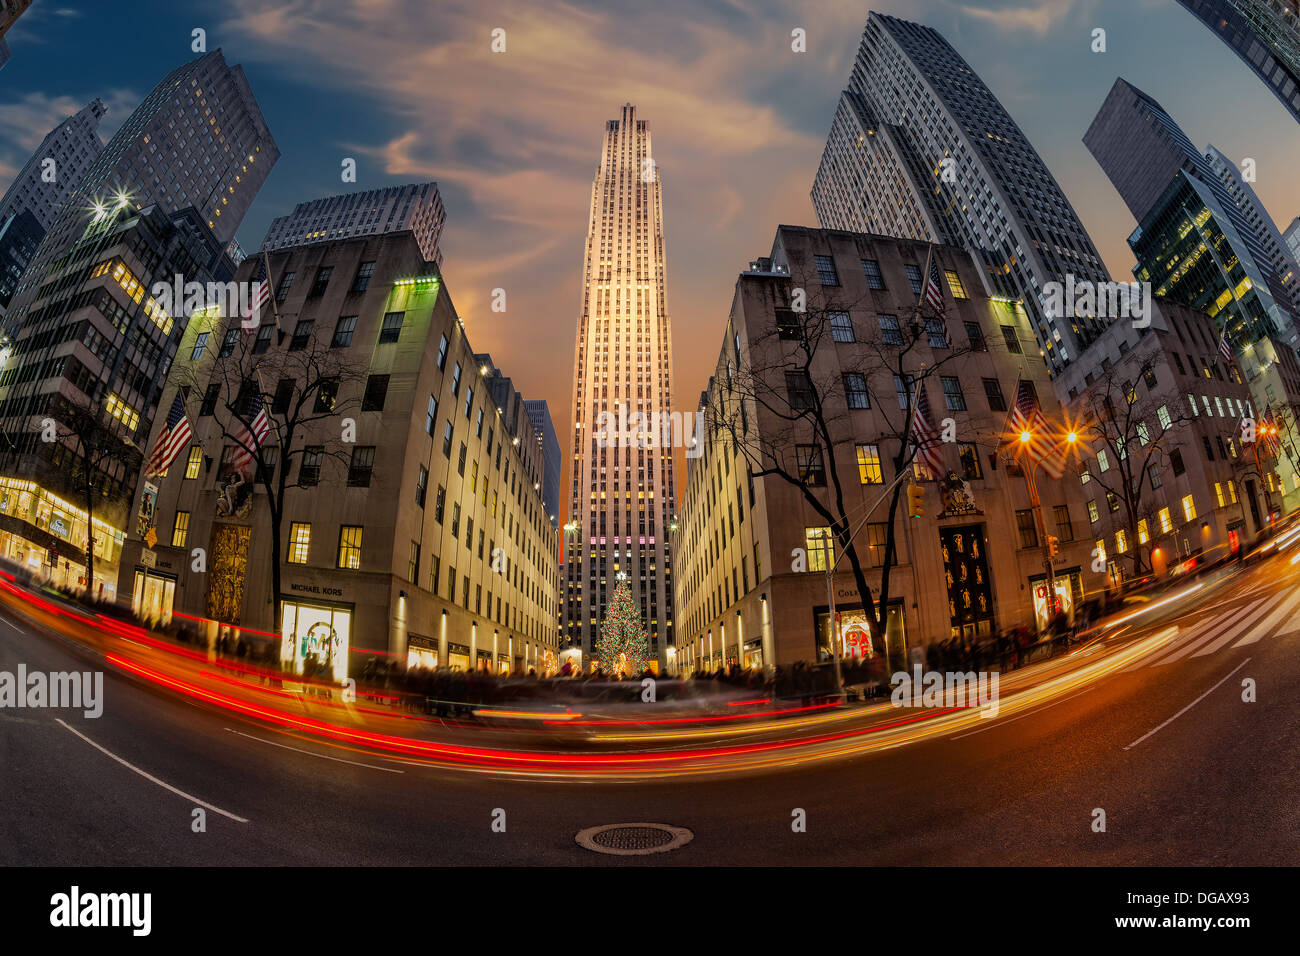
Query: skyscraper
x,y
1265,34
1142,151
540,415
622,489
56,166
915,109
197,140
415,206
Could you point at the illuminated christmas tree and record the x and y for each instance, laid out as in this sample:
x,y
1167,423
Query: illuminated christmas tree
x,y
622,648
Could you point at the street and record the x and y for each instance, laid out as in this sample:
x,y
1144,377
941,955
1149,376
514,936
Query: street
x,y
1148,726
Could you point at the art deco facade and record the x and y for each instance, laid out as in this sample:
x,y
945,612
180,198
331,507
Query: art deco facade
x,y
622,496
966,567
415,206
915,109
423,540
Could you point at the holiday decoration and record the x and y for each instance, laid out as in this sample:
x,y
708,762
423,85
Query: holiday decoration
x,y
622,649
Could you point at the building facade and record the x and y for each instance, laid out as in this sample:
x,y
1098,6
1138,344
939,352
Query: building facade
x,y
752,551
540,415
1265,34
1190,249
92,346
1142,150
1165,397
622,496
197,140
56,167
980,181
416,207
411,527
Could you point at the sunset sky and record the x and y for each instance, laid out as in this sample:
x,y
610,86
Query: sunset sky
x,y
412,91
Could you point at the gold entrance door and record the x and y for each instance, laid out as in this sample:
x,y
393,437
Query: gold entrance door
x,y
229,558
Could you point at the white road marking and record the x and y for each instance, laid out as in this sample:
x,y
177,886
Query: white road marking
x,y
150,777
1189,706
311,753
1265,607
1267,627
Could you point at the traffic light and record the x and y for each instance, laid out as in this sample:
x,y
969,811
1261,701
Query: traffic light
x,y
915,500
1053,545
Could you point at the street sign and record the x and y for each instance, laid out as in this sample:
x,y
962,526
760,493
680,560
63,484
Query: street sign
x,y
151,539
149,558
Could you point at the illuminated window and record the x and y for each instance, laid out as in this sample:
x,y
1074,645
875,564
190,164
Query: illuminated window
x,y
181,529
350,546
1121,542
1218,494
1166,524
1189,507
869,470
300,543
195,461
123,412
820,548
954,284
1144,535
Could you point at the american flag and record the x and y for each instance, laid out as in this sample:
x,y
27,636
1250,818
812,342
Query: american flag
x,y
924,436
247,440
933,290
175,435
260,297
1027,416
1224,348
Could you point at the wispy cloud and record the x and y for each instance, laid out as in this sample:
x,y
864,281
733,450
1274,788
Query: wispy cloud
x,y
1037,18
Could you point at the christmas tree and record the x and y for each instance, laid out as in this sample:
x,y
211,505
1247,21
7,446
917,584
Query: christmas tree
x,y
622,648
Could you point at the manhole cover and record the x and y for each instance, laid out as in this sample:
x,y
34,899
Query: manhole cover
x,y
634,839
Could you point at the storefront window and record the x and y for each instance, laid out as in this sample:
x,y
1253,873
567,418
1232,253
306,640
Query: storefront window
x,y
316,640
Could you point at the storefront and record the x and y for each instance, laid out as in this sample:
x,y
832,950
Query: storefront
x,y
458,657
754,653
153,595
421,651
1069,596
859,639
316,639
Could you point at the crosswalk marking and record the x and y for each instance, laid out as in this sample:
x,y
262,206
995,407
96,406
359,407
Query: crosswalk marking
x,y
1220,631
1194,640
1221,641
1273,621
1210,637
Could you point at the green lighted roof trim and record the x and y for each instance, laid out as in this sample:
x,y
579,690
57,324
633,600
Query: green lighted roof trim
x,y
417,280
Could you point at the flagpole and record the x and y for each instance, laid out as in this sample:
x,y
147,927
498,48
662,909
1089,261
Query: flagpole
x,y
275,309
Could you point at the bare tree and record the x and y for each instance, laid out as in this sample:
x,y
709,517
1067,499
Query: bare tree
x,y
1131,436
795,379
93,438
307,390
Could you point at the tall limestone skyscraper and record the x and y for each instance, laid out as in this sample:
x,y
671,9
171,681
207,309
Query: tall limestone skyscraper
x,y
622,494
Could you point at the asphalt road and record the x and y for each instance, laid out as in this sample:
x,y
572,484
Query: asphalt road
x,y
1185,771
